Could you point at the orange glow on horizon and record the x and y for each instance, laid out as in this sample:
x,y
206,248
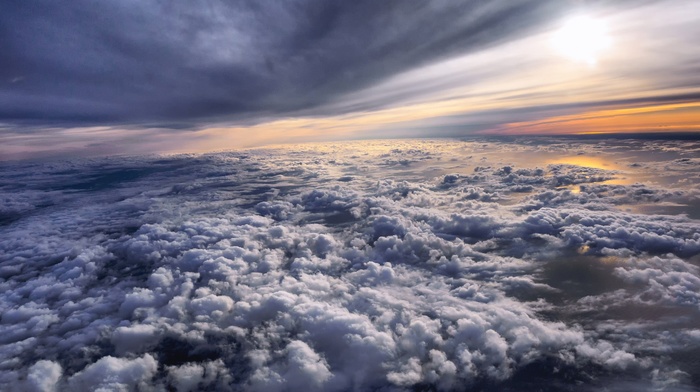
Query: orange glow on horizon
x,y
680,117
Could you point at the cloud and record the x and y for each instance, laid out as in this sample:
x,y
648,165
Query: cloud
x,y
116,374
260,270
200,78
178,64
44,376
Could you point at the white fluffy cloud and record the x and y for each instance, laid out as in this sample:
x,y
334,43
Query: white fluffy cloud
x,y
366,265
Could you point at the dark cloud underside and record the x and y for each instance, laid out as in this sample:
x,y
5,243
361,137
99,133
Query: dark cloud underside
x,y
85,63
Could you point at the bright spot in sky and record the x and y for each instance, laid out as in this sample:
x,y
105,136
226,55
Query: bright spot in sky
x,y
582,39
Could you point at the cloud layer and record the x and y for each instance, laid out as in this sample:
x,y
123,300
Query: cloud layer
x,y
126,62
446,265
127,77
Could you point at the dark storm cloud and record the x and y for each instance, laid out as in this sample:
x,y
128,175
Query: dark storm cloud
x,y
117,62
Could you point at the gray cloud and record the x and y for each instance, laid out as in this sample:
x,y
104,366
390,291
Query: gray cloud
x,y
131,62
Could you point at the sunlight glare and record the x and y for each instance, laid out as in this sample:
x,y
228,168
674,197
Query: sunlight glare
x,y
582,39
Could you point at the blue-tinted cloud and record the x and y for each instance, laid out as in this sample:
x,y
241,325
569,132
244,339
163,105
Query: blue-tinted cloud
x,y
415,264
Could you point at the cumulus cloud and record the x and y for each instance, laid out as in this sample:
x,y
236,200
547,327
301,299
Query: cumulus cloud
x,y
116,374
232,271
44,376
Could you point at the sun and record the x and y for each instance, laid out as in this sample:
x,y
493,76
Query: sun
x,y
582,39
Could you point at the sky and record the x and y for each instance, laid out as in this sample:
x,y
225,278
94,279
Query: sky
x,y
131,77
364,195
